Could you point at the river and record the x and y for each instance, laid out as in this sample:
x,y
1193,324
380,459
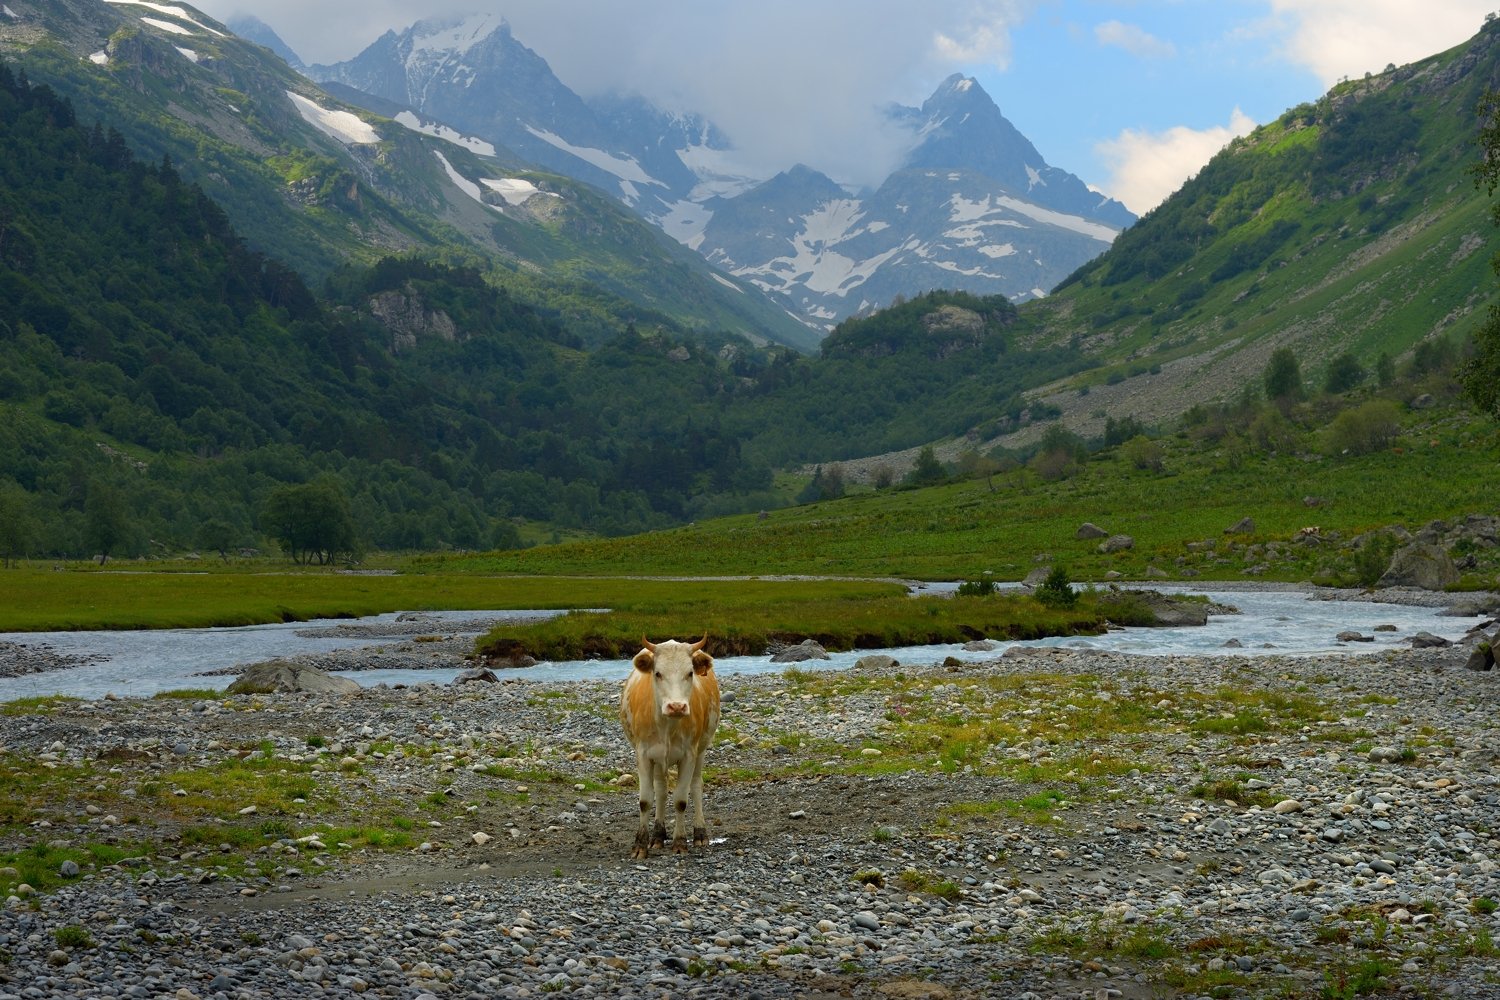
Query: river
x,y
142,663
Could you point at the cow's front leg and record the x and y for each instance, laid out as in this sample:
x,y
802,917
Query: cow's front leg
x,y
643,770
700,825
659,830
686,775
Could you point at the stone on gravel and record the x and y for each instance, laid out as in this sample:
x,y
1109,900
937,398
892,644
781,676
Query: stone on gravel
x,y
286,676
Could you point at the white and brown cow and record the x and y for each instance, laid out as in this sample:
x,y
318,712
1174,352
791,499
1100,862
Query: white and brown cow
x,y
670,709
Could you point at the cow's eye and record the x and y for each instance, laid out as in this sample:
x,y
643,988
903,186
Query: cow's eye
x,y
658,675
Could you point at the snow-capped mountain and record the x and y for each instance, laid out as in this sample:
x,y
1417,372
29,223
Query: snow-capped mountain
x,y
960,126
974,205
472,74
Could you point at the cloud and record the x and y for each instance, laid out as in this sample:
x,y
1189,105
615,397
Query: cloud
x,y
1135,40
1146,167
1348,38
789,80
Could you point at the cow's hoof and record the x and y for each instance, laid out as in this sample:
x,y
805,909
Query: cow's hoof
x,y
700,836
679,845
659,836
639,853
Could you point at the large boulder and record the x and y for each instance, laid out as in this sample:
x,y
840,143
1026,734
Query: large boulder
x,y
807,649
1483,657
1244,526
1116,543
1037,577
284,676
1421,565
1088,530
876,661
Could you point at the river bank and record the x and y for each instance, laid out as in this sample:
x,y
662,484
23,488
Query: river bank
x,y
1049,822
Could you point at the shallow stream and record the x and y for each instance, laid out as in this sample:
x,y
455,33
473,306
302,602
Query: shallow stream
x,y
143,663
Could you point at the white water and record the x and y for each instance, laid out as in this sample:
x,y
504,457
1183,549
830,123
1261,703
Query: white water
x,y
143,663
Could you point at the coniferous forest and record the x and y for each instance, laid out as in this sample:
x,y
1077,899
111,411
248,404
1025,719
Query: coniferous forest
x,y
161,381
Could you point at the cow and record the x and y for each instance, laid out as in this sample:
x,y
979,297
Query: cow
x,y
669,708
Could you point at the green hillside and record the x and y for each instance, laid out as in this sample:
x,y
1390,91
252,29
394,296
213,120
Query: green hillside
x,y
155,369
317,203
1352,224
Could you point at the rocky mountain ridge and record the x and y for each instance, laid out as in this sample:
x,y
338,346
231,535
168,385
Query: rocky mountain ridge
x,y
973,206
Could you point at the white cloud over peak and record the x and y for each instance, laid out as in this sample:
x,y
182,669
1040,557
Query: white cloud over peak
x,y
1147,167
788,80
1133,39
1348,38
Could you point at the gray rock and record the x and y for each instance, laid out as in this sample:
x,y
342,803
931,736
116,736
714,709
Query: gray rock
x,y
1350,636
1426,640
1483,657
1244,526
282,676
1422,565
979,645
876,661
1036,576
1116,543
807,649
477,674
1089,530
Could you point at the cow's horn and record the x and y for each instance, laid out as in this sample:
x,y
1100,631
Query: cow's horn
x,y
699,644
650,646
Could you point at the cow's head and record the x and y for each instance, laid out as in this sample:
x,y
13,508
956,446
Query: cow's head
x,y
675,667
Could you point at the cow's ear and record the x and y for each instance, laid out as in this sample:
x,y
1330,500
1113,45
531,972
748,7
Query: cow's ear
x,y
644,661
702,663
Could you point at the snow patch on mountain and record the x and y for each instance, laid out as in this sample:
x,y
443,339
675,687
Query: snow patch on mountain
x,y
453,35
461,182
1062,220
10,13
684,221
515,190
187,54
100,58
626,168
717,173
441,131
970,210
181,13
344,126
167,26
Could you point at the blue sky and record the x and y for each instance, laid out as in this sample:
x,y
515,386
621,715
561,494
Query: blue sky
x,y
1133,96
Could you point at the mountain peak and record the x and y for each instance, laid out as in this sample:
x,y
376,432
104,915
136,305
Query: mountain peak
x,y
456,33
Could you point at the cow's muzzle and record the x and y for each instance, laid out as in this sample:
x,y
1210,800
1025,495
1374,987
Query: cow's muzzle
x,y
676,709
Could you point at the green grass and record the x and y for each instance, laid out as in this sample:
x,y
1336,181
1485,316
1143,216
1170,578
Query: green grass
x,y
35,600
745,617
1000,527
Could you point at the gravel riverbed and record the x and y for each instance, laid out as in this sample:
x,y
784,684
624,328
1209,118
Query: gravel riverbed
x,y
1082,825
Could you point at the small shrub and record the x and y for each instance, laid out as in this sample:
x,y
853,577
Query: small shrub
x,y
1145,454
73,936
1057,590
1368,428
983,587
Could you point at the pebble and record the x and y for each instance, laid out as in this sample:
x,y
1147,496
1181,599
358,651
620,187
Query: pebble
x,y
782,914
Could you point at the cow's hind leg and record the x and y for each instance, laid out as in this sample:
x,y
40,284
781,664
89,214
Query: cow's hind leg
x,y
700,825
659,830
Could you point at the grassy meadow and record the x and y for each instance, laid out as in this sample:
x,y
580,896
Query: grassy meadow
x,y
1440,467
828,570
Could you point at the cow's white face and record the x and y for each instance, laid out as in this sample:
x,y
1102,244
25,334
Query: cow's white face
x,y
675,668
